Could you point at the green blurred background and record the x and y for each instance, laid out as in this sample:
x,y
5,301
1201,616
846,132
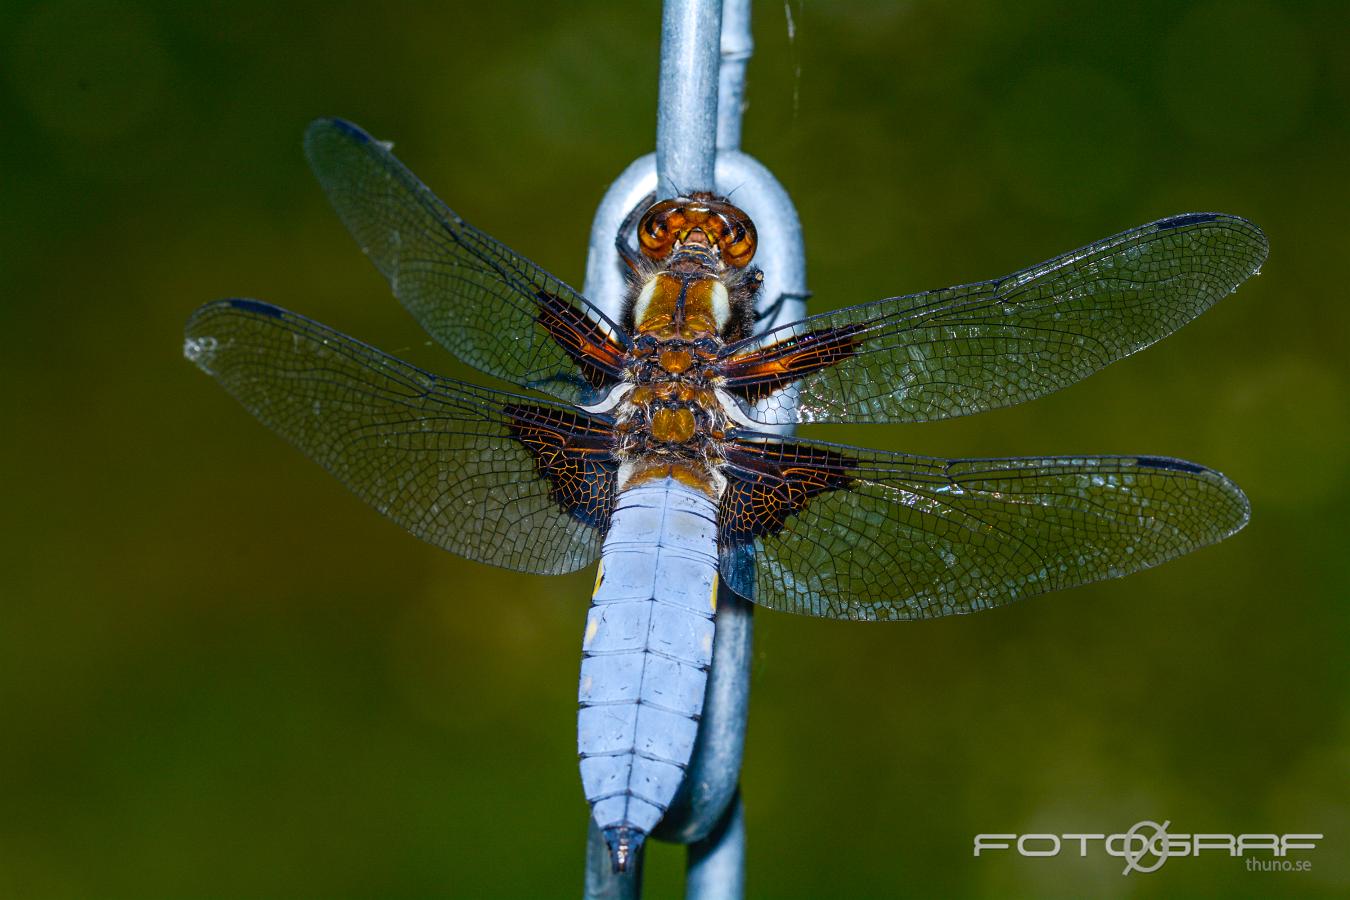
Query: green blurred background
x,y
220,675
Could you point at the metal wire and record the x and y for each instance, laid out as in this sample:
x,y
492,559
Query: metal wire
x,y
737,46
716,867
701,97
686,101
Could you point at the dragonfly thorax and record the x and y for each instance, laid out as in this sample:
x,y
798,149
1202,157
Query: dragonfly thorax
x,y
693,292
689,306
692,277
672,416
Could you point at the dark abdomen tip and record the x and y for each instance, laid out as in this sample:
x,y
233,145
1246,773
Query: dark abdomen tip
x,y
625,845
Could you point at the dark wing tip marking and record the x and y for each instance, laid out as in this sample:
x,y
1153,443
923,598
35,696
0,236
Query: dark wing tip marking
x,y
256,306
1169,464
1217,480
1185,219
1251,235
334,123
324,131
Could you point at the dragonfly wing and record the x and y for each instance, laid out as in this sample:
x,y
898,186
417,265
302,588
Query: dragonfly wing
x,y
846,533
491,476
492,308
980,346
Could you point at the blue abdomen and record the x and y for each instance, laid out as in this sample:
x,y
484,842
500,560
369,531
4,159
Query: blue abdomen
x,y
645,657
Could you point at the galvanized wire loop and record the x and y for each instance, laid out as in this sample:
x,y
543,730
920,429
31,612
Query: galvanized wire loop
x,y
705,48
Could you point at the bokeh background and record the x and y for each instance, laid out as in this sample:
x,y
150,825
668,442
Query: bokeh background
x,y
221,675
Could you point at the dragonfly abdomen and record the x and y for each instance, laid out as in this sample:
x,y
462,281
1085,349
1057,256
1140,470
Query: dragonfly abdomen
x,y
645,656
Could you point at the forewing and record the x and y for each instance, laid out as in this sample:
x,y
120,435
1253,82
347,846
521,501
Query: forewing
x,y
493,477
980,346
492,308
846,533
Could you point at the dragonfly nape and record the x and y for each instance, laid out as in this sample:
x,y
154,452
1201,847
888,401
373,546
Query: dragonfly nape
x,y
656,455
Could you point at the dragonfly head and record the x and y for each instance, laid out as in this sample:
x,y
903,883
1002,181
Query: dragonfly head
x,y
698,225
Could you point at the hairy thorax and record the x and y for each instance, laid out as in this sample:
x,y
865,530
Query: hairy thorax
x,y
672,420
693,292
672,415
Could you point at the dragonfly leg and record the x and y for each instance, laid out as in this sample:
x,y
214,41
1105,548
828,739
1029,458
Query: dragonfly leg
x,y
627,229
768,314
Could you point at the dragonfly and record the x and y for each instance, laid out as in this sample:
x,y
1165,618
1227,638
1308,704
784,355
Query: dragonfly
x,y
648,442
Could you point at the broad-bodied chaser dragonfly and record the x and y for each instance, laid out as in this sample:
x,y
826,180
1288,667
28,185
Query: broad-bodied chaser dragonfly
x,y
661,461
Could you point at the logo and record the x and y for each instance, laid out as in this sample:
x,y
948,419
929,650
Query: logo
x,y
1147,845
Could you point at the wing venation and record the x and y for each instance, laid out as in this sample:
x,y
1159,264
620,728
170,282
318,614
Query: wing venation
x,y
966,349
485,303
843,532
494,477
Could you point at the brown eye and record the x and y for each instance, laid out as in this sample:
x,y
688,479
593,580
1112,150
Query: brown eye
x,y
659,227
739,250
652,233
725,225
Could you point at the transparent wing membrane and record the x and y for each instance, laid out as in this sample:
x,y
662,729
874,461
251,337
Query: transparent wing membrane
x,y
980,346
491,307
808,527
490,476
846,533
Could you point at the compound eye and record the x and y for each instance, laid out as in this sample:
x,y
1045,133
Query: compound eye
x,y
729,228
658,228
738,247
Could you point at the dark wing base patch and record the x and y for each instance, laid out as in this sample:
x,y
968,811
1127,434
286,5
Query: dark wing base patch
x,y
758,374
915,537
598,355
982,346
768,481
574,453
455,464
